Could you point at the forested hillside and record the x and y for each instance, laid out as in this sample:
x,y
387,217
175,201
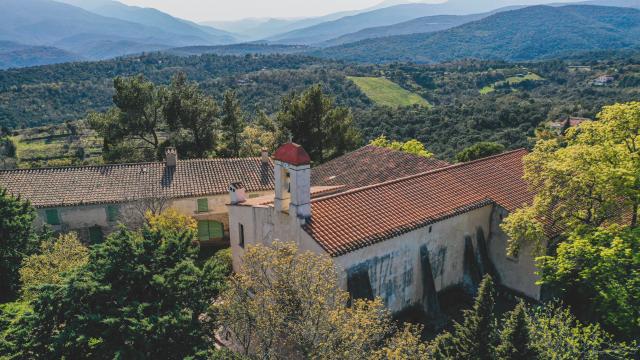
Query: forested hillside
x,y
531,33
471,101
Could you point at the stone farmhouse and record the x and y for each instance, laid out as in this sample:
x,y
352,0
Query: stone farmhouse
x,y
93,200
403,239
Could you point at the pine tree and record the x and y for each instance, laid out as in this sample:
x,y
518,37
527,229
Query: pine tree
x,y
514,337
232,124
474,338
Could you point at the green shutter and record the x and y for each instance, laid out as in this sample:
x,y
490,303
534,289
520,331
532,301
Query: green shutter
x,y
203,205
203,230
52,216
216,230
112,213
95,234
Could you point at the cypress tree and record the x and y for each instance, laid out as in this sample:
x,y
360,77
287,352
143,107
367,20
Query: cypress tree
x,y
232,124
475,337
514,337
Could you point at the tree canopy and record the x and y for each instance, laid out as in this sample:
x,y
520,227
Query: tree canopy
x,y
412,146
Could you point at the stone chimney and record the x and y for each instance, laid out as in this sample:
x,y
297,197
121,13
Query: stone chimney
x,y
171,156
265,155
293,181
237,193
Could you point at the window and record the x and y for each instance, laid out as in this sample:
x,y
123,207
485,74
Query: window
x,y
241,235
209,230
112,213
95,234
53,218
203,205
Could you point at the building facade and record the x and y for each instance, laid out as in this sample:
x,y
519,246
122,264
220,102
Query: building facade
x,y
403,240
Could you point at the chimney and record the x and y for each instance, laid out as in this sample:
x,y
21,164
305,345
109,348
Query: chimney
x,y
171,156
237,193
265,155
293,181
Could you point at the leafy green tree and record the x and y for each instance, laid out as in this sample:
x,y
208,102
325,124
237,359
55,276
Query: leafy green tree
x,y
474,338
17,241
599,274
141,295
283,303
479,151
137,116
232,124
55,258
412,146
312,120
515,343
587,180
556,333
192,118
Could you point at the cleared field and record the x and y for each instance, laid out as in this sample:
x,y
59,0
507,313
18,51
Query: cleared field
x,y
513,80
387,93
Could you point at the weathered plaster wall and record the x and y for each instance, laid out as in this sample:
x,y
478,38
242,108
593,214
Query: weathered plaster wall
x,y
394,265
515,273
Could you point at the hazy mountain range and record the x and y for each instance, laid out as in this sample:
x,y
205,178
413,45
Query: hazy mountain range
x,y
37,32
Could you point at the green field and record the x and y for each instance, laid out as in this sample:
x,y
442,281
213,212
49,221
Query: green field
x,y
387,93
511,81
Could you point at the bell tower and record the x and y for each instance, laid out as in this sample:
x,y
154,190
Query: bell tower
x,y
293,181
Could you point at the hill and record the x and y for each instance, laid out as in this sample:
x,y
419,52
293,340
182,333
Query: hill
x,y
531,33
89,35
425,24
238,49
14,55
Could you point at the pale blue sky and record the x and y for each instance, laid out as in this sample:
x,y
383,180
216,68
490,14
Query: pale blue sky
x,y
203,10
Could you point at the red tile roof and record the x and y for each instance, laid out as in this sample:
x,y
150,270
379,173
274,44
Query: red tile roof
x,y
71,186
293,154
358,218
371,165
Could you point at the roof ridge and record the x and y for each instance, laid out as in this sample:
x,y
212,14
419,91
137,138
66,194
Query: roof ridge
x,y
394,181
102,166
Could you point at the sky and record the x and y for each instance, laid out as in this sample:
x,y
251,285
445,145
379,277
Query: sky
x,y
205,10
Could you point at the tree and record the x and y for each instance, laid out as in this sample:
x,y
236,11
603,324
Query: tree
x,y
232,124
515,343
599,275
284,303
312,120
475,337
410,146
557,334
192,118
141,295
17,241
479,151
55,258
590,178
404,345
137,116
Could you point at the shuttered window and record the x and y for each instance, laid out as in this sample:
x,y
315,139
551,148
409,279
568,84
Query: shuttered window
x,y
203,205
209,230
95,234
53,218
112,213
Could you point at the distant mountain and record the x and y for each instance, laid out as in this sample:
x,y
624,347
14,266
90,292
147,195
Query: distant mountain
x,y
14,55
154,18
425,24
78,33
238,49
531,33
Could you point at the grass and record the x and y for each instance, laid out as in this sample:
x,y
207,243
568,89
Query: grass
x,y
387,93
513,80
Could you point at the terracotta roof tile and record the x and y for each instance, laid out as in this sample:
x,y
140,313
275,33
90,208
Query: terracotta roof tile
x,y
354,219
70,186
371,165
292,154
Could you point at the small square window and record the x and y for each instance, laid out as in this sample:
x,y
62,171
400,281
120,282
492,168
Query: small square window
x,y
53,218
203,205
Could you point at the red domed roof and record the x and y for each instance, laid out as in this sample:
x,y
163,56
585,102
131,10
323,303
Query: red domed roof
x,y
293,154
